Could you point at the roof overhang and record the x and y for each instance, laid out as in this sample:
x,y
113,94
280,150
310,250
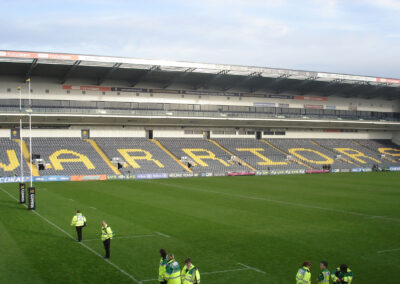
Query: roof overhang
x,y
219,77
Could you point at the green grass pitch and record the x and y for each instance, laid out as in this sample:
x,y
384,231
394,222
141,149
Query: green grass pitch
x,y
269,224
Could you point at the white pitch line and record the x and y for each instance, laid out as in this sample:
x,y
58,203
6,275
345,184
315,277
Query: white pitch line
x,y
388,250
276,201
224,271
164,235
122,237
208,273
94,208
252,268
82,244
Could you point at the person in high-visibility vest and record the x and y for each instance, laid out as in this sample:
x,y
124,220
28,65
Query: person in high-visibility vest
x,y
342,275
106,237
78,221
162,267
172,271
325,274
190,273
303,275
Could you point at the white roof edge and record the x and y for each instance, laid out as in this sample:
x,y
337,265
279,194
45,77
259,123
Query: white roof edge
x,y
183,64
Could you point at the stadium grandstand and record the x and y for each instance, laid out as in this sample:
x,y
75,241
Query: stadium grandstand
x,y
158,139
111,117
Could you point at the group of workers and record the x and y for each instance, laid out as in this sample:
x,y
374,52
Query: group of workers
x,y
169,271
341,274
79,221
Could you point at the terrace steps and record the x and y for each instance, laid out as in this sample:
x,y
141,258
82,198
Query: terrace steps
x,y
326,148
26,154
171,155
374,150
230,153
103,155
283,152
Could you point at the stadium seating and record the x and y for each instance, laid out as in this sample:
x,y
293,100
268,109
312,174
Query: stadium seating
x,y
204,155
354,151
310,153
10,159
387,148
74,156
69,156
259,155
140,155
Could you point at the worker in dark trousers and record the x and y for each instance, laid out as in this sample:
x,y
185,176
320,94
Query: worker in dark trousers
x,y
78,221
106,237
162,266
342,275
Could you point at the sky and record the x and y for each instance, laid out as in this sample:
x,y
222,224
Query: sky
x,y
359,37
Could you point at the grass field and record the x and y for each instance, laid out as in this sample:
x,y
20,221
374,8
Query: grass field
x,y
268,224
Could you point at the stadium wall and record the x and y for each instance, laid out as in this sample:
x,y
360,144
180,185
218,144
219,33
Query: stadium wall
x,y
174,132
121,131
5,133
318,134
396,138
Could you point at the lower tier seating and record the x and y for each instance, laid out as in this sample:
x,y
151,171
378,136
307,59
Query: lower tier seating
x,y
74,156
202,155
139,155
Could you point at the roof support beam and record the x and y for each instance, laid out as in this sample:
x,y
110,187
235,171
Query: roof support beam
x,y
177,77
30,69
302,85
331,87
211,79
71,69
353,89
249,77
108,73
272,85
143,76
374,91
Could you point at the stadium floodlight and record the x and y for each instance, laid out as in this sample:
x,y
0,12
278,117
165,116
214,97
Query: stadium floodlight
x,y
22,194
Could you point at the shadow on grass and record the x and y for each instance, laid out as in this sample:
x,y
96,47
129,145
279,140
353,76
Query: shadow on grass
x,y
12,204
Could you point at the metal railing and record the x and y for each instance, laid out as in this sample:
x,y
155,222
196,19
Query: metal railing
x,y
181,114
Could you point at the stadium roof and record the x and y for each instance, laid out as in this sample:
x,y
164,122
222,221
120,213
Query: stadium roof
x,y
193,76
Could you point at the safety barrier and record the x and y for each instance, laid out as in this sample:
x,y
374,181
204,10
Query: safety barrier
x,y
181,175
232,174
317,171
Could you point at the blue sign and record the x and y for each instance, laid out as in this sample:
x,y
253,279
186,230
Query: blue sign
x,y
38,179
152,176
